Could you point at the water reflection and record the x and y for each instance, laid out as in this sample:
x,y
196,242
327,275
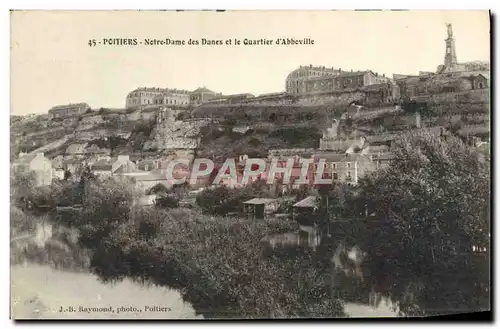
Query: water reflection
x,y
39,291
345,261
364,276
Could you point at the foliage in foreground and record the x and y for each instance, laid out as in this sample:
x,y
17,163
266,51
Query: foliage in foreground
x,y
431,205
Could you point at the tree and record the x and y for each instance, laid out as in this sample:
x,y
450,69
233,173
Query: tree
x,y
431,205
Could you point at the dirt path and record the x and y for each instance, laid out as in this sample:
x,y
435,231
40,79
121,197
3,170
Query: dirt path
x,y
40,292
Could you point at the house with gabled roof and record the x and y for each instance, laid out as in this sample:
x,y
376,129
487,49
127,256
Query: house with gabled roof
x,y
38,164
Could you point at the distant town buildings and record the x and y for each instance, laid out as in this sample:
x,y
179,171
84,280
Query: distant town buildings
x,y
69,110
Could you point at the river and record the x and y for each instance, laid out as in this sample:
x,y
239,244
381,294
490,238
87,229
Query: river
x,y
39,292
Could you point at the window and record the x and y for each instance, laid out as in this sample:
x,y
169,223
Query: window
x,y
349,174
335,176
348,165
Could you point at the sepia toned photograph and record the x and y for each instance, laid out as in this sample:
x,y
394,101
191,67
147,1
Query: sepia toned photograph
x,y
219,164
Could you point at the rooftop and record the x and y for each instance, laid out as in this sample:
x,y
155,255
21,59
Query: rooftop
x,y
203,90
260,201
59,107
309,202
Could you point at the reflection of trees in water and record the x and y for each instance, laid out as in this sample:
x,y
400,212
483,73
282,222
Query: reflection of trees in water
x,y
429,291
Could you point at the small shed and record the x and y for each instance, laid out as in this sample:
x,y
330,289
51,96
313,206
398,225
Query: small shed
x,y
259,208
305,209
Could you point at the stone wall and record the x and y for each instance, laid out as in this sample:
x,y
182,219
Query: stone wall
x,y
335,99
470,96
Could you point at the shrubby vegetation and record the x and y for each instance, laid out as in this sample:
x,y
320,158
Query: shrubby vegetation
x,y
428,209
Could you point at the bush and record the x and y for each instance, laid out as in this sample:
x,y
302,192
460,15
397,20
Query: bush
x,y
167,201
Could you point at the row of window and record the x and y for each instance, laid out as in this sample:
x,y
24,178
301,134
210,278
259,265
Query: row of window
x,y
139,94
158,101
310,73
328,84
170,101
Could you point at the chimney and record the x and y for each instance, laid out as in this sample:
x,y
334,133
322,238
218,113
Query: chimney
x,y
310,66
340,70
383,75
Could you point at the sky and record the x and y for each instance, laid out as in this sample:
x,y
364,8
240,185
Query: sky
x,y
53,64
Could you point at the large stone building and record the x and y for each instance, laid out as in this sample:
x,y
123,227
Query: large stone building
x,y
202,95
307,79
145,97
343,81
295,82
173,97
69,110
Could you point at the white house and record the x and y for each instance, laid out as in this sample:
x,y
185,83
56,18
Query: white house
x,y
37,163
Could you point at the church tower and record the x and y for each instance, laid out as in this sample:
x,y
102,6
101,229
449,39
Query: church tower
x,y
450,58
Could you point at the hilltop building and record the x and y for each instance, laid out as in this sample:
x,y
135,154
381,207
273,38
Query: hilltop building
x,y
202,95
450,77
69,110
232,99
307,79
451,63
145,97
